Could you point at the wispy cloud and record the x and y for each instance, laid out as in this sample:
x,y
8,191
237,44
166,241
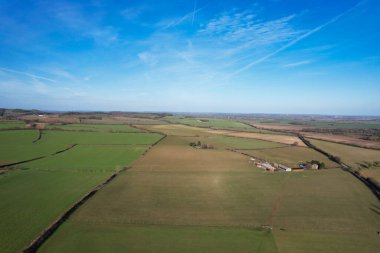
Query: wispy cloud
x,y
147,58
27,74
291,43
166,24
297,64
75,18
245,27
131,13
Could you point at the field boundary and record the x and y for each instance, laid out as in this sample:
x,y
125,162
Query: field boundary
x,y
375,189
39,136
343,143
36,243
64,150
49,231
25,161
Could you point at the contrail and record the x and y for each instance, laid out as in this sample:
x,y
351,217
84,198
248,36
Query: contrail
x,y
27,74
195,7
186,16
316,29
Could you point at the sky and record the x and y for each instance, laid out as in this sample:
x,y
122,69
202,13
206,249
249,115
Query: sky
x,y
273,56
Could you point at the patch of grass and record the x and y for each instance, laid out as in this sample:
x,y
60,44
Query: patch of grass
x,y
92,138
31,200
210,122
36,193
89,158
353,156
139,238
96,127
12,125
290,156
230,142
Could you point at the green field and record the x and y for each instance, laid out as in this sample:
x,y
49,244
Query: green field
x,y
290,156
32,199
35,193
353,156
177,198
11,125
17,145
89,158
170,239
212,123
95,128
168,200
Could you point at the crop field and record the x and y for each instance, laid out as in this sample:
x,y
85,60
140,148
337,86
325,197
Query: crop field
x,y
96,128
35,193
290,155
175,129
212,123
191,201
280,138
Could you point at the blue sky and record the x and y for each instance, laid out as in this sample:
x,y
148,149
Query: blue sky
x,y
314,57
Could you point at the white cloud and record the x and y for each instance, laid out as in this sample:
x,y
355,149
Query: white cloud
x,y
147,58
246,27
296,64
131,13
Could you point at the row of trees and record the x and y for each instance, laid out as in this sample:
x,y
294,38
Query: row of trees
x,y
198,144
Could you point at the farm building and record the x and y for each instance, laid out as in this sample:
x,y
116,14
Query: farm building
x,y
285,168
267,166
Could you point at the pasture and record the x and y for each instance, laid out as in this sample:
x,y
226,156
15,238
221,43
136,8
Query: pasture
x,y
35,193
119,128
353,156
11,125
212,191
290,156
212,123
280,138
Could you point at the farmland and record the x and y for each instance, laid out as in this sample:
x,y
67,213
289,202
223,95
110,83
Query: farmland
x,y
290,155
181,198
35,193
215,123
217,192
357,158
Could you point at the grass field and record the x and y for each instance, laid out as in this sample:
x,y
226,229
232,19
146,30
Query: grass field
x,y
279,138
170,239
32,199
93,138
200,196
11,125
290,156
89,158
213,123
96,127
36,193
17,145
353,156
